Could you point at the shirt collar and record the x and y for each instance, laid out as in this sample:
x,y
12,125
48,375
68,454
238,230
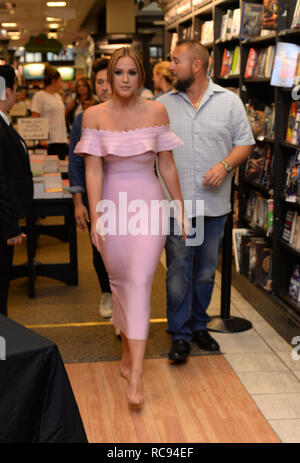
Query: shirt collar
x,y
211,89
4,116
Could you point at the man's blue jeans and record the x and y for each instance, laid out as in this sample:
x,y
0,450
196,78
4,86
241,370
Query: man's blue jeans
x,y
190,278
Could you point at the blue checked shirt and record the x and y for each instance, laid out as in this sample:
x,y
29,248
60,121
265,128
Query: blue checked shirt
x,y
209,134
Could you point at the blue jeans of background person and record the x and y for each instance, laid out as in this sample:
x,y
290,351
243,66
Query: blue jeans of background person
x,y
190,278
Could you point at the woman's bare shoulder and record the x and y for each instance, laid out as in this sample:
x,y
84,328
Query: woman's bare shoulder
x,y
92,116
158,111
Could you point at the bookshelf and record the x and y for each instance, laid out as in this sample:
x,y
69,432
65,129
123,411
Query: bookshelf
x,y
256,89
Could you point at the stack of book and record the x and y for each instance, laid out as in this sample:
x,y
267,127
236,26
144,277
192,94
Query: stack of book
x,y
37,164
187,33
260,62
230,65
51,164
230,25
293,127
259,212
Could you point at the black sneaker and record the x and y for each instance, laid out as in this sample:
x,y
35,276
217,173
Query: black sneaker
x,y
204,340
179,351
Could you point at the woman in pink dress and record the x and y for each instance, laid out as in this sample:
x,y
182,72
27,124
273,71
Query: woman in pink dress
x,y
120,140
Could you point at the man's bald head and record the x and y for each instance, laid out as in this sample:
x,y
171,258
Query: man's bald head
x,y
197,51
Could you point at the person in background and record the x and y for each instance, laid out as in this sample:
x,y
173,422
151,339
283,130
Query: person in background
x,y
83,99
217,136
16,187
78,187
162,78
48,103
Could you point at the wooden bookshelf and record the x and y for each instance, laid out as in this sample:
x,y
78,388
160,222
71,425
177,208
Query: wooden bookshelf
x,y
258,88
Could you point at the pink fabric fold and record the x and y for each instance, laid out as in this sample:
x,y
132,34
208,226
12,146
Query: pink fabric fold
x,y
127,143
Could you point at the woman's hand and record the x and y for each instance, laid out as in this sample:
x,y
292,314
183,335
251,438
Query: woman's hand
x,y
183,222
98,234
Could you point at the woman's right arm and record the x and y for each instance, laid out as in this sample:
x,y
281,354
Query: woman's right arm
x,y
93,179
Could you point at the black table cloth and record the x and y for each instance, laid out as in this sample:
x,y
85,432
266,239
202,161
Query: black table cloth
x,y
37,403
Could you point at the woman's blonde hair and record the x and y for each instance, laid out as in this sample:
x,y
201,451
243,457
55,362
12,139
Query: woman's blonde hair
x,y
162,68
134,55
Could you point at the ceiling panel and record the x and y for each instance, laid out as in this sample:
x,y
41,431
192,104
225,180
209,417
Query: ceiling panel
x,y
30,15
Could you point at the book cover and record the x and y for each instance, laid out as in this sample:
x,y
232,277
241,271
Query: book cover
x,y
255,259
251,19
235,65
267,175
287,226
244,254
285,64
226,63
266,269
291,121
292,179
236,23
296,17
294,285
296,235
270,14
270,217
237,234
269,61
255,165
250,63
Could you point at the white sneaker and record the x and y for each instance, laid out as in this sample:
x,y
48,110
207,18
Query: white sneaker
x,y
105,307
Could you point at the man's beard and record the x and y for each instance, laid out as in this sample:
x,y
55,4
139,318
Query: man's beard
x,y
182,85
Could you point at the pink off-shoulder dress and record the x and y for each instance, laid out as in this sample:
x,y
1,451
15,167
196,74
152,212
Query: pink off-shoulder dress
x,y
134,237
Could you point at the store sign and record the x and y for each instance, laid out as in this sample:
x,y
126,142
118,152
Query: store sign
x,y
41,43
33,128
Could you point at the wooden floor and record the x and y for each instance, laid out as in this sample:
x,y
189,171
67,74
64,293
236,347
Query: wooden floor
x,y
201,401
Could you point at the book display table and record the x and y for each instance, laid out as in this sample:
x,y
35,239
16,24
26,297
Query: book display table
x,y
37,403
67,271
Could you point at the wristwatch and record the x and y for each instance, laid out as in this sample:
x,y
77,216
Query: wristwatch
x,y
227,166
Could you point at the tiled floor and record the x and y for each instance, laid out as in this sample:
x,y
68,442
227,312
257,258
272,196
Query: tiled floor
x,y
263,361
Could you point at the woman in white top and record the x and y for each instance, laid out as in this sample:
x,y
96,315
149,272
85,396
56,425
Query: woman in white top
x,y
48,103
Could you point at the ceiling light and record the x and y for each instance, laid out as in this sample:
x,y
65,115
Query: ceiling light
x,y
52,19
52,35
56,3
53,26
9,24
14,37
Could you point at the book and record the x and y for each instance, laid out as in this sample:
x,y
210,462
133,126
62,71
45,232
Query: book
x,y
291,189
270,14
267,174
250,63
236,23
237,234
255,259
287,226
296,17
53,183
226,63
294,285
270,217
235,65
295,242
251,19
269,60
285,64
291,126
244,254
255,165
